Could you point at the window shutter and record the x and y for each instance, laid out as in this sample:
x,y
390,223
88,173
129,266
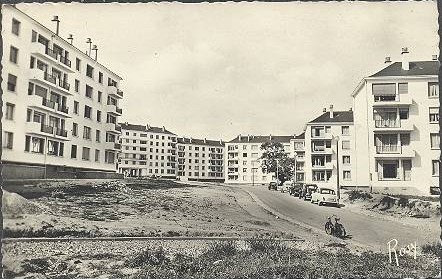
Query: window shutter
x,y
384,89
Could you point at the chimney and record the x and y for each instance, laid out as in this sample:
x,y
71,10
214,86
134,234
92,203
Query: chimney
x,y
71,39
205,140
94,48
89,41
270,137
331,111
351,109
190,140
220,141
55,19
387,60
248,137
405,59
163,129
239,137
147,126
324,110
434,57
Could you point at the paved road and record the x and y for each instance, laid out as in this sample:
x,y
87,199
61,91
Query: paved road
x,y
370,231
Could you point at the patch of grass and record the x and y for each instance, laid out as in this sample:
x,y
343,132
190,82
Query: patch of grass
x,y
359,195
39,265
147,258
47,232
403,202
432,249
263,245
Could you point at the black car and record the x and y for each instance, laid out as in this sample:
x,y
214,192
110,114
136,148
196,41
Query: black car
x,y
296,189
273,185
308,189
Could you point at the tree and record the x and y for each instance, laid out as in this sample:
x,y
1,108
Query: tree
x,y
273,157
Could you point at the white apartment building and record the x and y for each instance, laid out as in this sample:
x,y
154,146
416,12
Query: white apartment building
x,y
147,151
297,151
329,150
397,127
243,164
200,160
60,106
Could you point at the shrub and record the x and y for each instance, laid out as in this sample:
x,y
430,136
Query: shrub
x,y
355,195
403,202
221,249
432,249
148,257
39,265
264,245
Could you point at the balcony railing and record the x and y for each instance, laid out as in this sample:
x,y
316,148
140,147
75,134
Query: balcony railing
x,y
60,132
382,149
117,146
48,103
63,109
47,129
387,123
118,128
57,56
119,110
120,93
50,78
386,98
63,84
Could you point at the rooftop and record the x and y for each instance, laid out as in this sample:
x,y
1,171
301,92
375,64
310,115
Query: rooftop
x,y
417,68
145,128
338,116
300,136
218,143
261,139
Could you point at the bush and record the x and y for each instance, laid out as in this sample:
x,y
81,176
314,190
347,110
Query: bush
x,y
432,249
403,202
39,265
264,245
221,249
359,195
148,257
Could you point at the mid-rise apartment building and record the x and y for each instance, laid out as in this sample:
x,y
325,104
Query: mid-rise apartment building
x,y
329,149
147,151
200,160
60,105
397,127
243,163
297,151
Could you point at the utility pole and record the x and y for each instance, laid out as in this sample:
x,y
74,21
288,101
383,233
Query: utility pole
x,y
338,192
253,173
277,177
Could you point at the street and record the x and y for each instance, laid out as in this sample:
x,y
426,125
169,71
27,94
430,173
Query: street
x,y
363,229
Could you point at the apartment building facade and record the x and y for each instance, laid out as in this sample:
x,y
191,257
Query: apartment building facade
x,y
200,160
243,163
329,150
397,127
60,105
147,151
297,151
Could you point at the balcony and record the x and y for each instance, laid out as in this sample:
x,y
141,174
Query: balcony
x,y
48,105
113,109
46,130
320,136
113,91
110,145
48,80
112,128
323,166
49,55
391,100
117,146
393,125
322,150
394,151
61,133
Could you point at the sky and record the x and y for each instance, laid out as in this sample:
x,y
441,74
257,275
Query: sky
x,y
223,69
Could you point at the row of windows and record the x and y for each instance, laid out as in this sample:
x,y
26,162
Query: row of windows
x,y
389,91
151,136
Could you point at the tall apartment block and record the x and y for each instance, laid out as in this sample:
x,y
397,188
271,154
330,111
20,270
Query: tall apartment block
x,y
397,127
297,151
60,106
329,149
147,151
200,160
243,164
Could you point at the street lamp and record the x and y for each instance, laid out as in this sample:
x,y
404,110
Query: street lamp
x,y
277,177
338,192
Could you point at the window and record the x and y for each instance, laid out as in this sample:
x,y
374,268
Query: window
x,y
74,151
405,139
13,55
34,36
86,154
8,139
100,77
435,171
97,155
384,92
346,160
12,82
87,133
435,141
244,155
90,71
75,129
97,136
55,148
10,111
77,64
99,96
35,145
89,91
403,88
345,130
434,115
347,175
433,89
403,113
345,144
15,27
75,107
98,116
87,111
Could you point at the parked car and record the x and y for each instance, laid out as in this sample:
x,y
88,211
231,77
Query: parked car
x,y
273,185
295,189
307,191
324,196
286,186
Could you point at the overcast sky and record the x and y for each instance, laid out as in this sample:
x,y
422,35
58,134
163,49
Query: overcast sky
x,y
219,70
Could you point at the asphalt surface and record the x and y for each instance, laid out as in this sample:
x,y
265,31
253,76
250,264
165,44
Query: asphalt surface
x,y
367,230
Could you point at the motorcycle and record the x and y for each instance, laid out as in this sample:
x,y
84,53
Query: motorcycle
x,y
336,229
